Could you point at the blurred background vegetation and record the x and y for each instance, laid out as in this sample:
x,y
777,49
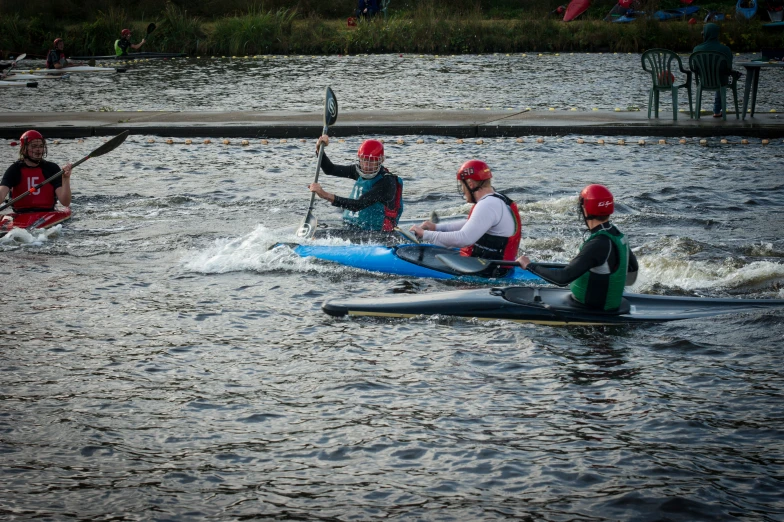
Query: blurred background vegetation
x,y
245,27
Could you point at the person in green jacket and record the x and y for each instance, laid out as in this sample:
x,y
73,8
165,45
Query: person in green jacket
x,y
605,264
122,44
710,36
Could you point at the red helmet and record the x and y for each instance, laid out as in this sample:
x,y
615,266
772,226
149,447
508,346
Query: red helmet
x,y
474,169
29,136
125,32
57,41
25,140
597,200
370,156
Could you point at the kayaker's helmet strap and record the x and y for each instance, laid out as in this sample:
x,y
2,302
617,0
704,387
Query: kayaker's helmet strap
x,y
596,202
370,157
476,170
24,146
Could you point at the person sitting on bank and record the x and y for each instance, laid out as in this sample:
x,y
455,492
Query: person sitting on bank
x,y
122,44
376,201
492,229
710,36
30,170
605,264
366,9
56,57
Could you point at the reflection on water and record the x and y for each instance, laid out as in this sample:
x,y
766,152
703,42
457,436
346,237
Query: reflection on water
x,y
160,362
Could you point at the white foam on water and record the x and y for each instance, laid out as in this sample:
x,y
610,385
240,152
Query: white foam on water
x,y
33,237
692,275
564,206
255,251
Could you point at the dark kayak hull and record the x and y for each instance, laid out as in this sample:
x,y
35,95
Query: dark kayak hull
x,y
403,260
44,219
543,305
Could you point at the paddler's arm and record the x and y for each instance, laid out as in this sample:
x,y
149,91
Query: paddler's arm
x,y
592,254
63,192
7,182
329,168
634,268
382,192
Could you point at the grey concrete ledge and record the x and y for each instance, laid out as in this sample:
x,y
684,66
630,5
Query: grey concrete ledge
x,y
458,124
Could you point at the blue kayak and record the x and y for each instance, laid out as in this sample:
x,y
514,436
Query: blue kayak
x,y
673,14
630,16
746,9
404,260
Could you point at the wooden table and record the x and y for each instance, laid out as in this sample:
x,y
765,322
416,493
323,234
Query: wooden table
x,y
752,80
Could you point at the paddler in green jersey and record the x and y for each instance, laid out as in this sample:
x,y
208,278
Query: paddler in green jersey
x,y
605,264
122,44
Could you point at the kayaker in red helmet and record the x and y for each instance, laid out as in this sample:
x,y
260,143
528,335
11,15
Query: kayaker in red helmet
x,y
605,264
492,229
56,57
122,44
376,201
30,170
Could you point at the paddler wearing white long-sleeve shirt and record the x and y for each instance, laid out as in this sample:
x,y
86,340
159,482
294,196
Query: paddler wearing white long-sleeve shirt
x,y
492,229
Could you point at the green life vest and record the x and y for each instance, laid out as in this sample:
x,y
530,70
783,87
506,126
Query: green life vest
x,y
616,281
372,217
118,51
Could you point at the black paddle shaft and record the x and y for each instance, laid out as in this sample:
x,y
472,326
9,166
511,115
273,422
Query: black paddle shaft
x,y
308,227
100,151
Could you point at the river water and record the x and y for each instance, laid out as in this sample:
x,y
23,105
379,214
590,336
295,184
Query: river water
x,y
161,362
384,82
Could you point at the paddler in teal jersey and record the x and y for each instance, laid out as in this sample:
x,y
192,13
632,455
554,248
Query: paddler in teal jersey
x,y
122,44
376,201
605,264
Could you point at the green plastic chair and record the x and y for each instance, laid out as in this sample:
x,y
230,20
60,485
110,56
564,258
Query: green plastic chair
x,y
661,63
712,73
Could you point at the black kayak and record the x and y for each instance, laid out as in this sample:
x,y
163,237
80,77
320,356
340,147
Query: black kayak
x,y
132,56
544,305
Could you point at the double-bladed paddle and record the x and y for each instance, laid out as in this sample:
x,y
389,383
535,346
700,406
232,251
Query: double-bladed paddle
x,y
308,227
100,151
13,64
474,265
408,235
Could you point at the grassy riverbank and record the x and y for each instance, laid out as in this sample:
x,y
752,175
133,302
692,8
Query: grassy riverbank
x,y
428,26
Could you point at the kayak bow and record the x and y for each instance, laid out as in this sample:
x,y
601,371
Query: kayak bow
x,y
43,219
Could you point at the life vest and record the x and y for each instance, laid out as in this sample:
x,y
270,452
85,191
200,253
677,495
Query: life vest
x,y
118,48
42,199
600,278
377,216
497,247
55,56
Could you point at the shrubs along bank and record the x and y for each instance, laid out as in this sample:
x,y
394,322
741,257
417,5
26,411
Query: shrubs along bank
x,y
428,28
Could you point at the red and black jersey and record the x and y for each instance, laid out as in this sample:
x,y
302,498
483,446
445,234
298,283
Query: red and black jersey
x,y
20,178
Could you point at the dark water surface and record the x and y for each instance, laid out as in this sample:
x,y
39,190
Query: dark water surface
x,y
565,81
160,362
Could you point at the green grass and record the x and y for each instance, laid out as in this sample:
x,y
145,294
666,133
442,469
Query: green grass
x,y
425,26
